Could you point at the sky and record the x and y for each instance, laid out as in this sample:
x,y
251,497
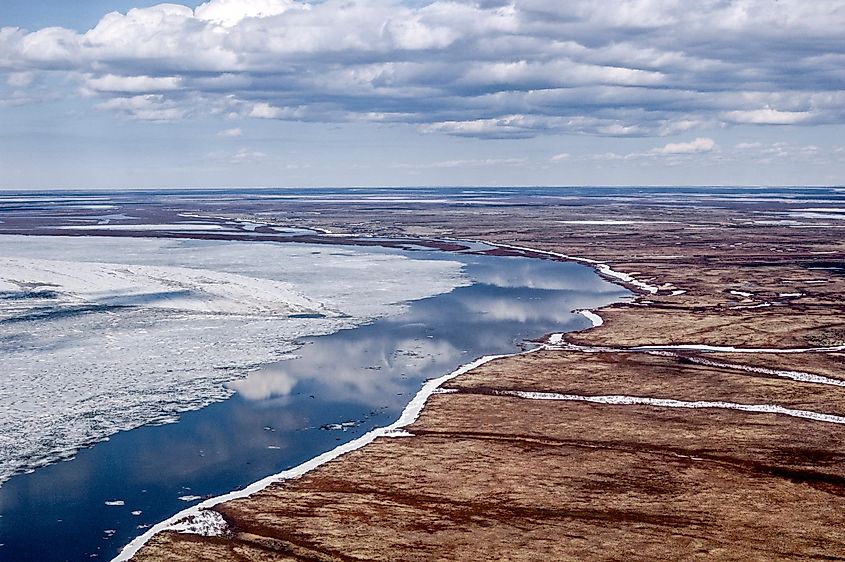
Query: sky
x,y
112,94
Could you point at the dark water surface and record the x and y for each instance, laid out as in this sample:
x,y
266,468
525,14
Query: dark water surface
x,y
339,387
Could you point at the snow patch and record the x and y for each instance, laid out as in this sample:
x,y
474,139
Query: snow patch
x,y
793,375
206,523
623,400
741,294
592,317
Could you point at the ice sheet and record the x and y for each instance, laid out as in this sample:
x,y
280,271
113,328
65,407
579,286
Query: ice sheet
x,y
100,335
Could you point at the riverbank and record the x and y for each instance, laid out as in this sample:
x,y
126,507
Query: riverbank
x,y
688,451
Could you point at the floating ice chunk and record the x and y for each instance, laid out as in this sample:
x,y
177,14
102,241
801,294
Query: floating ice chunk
x,y
190,498
115,503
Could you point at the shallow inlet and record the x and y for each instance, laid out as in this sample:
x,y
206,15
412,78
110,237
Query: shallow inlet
x,y
339,387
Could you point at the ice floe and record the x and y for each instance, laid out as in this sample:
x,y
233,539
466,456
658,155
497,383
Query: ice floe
x,y
104,334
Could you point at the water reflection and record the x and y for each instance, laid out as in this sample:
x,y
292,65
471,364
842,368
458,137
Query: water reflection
x,y
335,370
335,388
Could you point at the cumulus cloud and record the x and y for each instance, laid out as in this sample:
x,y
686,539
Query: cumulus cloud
x,y
768,116
696,146
485,69
236,132
243,155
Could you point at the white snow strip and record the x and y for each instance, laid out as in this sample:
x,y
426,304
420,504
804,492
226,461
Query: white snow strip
x,y
622,400
398,433
746,307
409,416
731,349
592,317
555,341
794,375
604,222
741,293
791,294
678,292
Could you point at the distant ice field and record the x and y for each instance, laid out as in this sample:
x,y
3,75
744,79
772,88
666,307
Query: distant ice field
x,y
100,335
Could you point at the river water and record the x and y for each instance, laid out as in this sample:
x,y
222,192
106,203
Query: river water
x,y
336,388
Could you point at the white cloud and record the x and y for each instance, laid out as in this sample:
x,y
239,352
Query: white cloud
x,y
479,69
767,116
697,146
236,132
20,79
231,12
145,108
133,84
246,156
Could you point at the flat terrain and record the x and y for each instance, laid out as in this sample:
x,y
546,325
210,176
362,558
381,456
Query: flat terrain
x,y
745,460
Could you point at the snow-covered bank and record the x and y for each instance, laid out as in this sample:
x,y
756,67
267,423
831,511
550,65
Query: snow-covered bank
x,y
100,335
194,518
592,317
